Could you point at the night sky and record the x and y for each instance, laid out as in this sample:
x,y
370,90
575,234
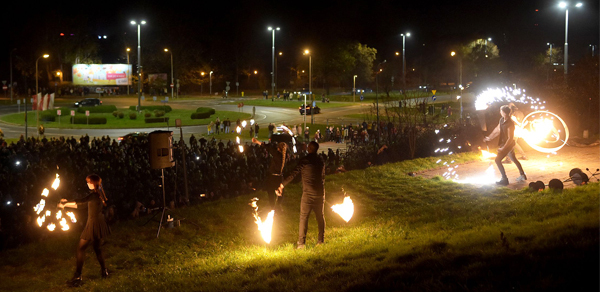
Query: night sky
x,y
224,27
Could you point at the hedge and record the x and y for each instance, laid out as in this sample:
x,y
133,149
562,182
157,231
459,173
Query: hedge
x,y
157,120
97,109
88,120
166,108
206,110
199,116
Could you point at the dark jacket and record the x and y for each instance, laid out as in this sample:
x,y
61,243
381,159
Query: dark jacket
x,y
312,169
277,159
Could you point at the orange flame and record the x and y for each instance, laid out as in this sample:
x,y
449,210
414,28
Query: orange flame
x,y
265,227
345,209
487,155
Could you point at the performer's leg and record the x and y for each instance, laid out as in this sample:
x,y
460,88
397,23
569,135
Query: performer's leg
x,y
303,225
520,149
512,156
498,161
99,256
83,244
319,208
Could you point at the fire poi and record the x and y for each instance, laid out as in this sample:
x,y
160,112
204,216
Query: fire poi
x,y
345,209
59,219
265,227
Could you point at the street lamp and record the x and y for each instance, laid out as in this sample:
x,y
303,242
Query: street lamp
x,y
172,85
404,60
377,99
276,79
551,65
201,81
210,82
139,67
354,88
273,62
486,46
565,5
128,71
459,80
307,53
37,97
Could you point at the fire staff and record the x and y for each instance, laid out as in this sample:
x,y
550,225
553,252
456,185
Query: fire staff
x,y
506,131
274,175
95,229
312,169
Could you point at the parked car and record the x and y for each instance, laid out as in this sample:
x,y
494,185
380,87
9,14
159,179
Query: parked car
x,y
131,135
309,110
88,102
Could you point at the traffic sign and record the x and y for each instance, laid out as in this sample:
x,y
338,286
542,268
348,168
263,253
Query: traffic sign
x,y
58,112
73,113
87,113
433,91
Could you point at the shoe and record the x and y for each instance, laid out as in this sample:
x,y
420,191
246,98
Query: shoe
x,y
76,281
300,246
502,182
104,273
320,243
523,157
522,177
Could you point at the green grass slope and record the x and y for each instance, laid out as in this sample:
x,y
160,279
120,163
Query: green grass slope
x,y
407,234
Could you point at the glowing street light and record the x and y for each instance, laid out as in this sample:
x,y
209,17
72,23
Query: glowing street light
x,y
404,60
565,5
453,53
354,88
172,84
139,68
128,76
201,81
273,61
210,82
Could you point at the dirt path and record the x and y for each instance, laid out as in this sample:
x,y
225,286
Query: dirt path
x,y
538,167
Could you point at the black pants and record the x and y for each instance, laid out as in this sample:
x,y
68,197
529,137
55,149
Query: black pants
x,y
311,203
511,154
83,245
272,184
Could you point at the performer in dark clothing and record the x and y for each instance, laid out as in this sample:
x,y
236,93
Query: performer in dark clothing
x,y
274,173
506,130
312,169
95,229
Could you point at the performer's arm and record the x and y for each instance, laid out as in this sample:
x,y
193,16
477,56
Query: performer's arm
x,y
291,176
493,135
254,140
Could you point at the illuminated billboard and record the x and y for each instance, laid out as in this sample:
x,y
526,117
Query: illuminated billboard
x,y
103,74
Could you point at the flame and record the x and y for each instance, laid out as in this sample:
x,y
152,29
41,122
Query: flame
x,y
241,148
238,130
265,227
487,154
56,182
45,193
488,177
40,207
51,226
244,123
72,216
345,209
41,220
58,214
63,224
237,140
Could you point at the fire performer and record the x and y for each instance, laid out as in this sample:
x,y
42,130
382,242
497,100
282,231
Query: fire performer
x,y
95,229
506,131
275,172
312,169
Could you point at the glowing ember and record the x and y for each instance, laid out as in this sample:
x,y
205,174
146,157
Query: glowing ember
x,y
72,216
56,182
487,155
238,130
244,123
486,178
41,220
241,148
45,193
51,226
265,227
40,207
345,209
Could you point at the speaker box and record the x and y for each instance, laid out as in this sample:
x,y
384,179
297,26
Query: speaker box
x,y
161,149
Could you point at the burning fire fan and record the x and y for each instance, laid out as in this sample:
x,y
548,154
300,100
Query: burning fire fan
x,y
47,217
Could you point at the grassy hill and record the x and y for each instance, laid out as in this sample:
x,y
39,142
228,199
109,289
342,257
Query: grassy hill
x,y
407,234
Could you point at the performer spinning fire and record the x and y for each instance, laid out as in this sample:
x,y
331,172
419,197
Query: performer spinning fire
x,y
506,131
95,228
312,169
274,175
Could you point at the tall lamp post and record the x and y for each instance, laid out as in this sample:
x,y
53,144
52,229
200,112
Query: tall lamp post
x,y
565,5
172,84
37,115
354,88
273,61
276,79
377,99
128,72
459,80
210,82
404,60
201,81
551,65
307,52
139,67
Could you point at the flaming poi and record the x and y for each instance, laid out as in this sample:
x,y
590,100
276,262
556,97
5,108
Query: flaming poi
x,y
345,209
265,227
60,220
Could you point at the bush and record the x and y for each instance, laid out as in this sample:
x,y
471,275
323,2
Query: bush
x,y
147,115
165,108
199,116
132,115
121,115
98,109
209,110
47,116
88,120
115,113
157,120
159,113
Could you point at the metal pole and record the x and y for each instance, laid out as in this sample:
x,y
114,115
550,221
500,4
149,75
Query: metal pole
x,y
172,82
139,71
566,65
11,79
36,97
354,89
404,63
273,66
128,73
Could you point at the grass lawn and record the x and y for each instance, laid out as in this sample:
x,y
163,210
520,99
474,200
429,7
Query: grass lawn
x,y
407,234
124,123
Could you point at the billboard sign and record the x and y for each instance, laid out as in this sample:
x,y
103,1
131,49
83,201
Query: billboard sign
x,y
102,74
